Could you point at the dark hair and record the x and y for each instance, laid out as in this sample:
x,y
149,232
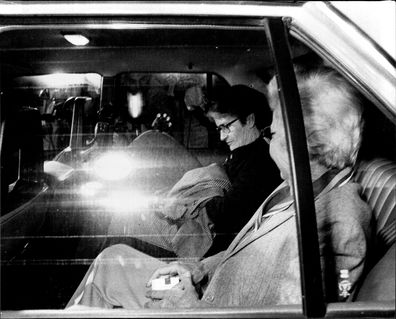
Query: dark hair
x,y
241,101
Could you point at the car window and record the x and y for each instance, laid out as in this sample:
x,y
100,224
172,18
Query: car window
x,y
114,145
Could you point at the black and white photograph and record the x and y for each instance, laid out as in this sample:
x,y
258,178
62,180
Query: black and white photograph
x,y
197,159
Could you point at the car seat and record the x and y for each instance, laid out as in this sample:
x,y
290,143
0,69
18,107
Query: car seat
x,y
21,157
378,180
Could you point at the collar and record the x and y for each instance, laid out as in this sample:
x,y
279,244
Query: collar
x,y
327,181
281,199
244,150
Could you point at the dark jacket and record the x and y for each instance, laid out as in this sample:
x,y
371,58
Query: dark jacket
x,y
253,176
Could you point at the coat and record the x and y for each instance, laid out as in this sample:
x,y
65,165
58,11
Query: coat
x,y
253,175
262,267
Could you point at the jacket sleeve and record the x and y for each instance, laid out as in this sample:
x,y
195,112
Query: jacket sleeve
x,y
344,235
204,268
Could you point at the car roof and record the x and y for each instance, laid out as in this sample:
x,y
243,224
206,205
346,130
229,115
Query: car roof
x,y
378,21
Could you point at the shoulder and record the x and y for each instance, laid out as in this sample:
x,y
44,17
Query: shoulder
x,y
344,203
252,156
257,153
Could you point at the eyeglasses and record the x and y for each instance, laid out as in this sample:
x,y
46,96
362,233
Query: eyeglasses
x,y
267,134
225,128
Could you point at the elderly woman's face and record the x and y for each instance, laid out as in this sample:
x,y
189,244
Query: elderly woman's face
x,y
278,149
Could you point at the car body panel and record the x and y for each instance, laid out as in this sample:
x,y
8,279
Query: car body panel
x,y
349,49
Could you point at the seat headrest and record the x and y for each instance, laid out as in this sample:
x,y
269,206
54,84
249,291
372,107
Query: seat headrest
x,y
378,180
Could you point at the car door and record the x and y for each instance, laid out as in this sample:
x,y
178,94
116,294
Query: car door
x,y
281,26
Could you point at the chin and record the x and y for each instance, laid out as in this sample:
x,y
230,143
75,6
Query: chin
x,y
231,147
284,176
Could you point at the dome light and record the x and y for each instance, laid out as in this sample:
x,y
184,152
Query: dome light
x,y
76,39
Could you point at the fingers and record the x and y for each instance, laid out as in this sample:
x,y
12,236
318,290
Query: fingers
x,y
185,282
171,269
156,294
181,295
167,270
185,279
158,304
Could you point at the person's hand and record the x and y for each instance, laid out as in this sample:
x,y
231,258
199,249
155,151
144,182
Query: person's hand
x,y
162,122
172,269
183,295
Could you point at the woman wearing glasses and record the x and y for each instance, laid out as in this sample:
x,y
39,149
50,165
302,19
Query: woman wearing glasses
x,y
208,206
240,114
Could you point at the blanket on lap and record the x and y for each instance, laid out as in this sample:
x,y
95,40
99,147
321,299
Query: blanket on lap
x,y
184,206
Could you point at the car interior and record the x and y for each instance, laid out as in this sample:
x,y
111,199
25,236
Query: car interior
x,y
52,127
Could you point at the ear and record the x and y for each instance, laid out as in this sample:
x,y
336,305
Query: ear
x,y
251,120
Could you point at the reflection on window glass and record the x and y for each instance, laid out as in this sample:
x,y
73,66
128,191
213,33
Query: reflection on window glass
x,y
174,103
90,170
52,95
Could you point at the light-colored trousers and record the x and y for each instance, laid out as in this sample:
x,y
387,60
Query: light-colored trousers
x,y
117,278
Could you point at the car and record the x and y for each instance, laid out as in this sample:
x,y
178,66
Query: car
x,y
78,123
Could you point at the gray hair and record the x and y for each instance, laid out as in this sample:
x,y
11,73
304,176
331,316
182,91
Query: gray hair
x,y
332,116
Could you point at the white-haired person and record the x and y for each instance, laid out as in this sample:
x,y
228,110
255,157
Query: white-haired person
x,y
261,265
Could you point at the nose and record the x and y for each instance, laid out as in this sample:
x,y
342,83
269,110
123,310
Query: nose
x,y
223,135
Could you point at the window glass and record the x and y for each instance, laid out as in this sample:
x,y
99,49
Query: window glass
x,y
52,95
174,103
95,166
150,138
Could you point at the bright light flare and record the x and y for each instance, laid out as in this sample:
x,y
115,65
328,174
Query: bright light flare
x,y
90,189
126,201
113,166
